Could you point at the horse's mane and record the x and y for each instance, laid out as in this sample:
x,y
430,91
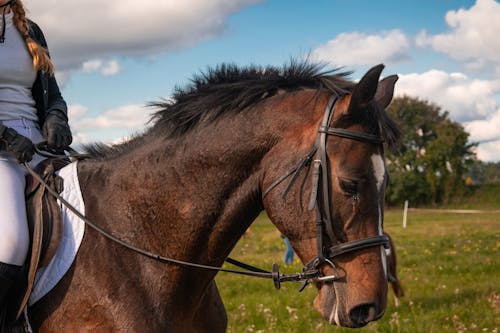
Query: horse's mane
x,y
228,88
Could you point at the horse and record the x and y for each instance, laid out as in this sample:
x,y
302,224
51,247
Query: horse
x,y
212,158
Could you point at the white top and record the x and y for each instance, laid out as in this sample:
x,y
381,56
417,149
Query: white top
x,y
17,75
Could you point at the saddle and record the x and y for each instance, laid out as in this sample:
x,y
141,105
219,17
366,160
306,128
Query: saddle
x,y
45,228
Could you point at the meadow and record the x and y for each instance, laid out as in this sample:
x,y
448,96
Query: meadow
x,y
447,262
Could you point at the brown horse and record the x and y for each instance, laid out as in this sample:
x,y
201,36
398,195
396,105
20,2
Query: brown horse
x,y
190,186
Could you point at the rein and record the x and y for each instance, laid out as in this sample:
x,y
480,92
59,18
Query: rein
x,y
319,200
275,275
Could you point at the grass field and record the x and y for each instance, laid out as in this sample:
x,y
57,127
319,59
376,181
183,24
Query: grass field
x,y
448,264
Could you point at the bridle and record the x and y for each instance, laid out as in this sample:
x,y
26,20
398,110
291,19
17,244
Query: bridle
x,y
319,200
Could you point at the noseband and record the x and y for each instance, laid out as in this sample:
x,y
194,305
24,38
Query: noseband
x,y
320,199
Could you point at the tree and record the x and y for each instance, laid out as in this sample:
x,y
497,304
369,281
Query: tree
x,y
433,158
484,173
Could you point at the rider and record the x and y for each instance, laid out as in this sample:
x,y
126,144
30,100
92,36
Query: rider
x,y
31,110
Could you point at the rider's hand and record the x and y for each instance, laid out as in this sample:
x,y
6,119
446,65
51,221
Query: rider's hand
x,y
22,147
56,130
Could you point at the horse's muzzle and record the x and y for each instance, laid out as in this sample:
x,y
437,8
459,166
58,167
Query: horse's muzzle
x,y
364,313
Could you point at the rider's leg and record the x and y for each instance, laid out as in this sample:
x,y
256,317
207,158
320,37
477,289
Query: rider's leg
x,y
14,235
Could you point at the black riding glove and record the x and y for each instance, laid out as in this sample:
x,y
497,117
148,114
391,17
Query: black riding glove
x,y
22,147
56,131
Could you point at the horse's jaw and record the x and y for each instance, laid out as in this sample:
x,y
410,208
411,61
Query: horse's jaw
x,y
339,309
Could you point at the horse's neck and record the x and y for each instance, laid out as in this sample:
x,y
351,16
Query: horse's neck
x,y
178,196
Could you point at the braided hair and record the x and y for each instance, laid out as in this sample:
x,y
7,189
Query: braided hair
x,y
40,55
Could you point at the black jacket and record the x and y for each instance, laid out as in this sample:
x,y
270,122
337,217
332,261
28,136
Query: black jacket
x,y
45,90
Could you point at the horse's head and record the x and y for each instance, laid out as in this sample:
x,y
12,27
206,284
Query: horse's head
x,y
332,211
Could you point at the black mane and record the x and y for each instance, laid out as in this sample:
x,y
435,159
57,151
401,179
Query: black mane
x,y
228,88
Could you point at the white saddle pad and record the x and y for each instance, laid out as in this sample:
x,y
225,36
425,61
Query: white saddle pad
x,y
72,235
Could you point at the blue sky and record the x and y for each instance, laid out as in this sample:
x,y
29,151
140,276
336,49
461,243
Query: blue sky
x,y
113,57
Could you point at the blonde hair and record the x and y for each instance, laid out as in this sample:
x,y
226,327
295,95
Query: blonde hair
x,y
41,59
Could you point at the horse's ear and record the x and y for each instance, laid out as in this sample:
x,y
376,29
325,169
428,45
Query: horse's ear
x,y
385,90
364,92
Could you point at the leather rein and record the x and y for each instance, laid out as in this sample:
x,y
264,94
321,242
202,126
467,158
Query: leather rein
x,y
320,201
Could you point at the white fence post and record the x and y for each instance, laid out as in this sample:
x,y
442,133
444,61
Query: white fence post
x,y
405,213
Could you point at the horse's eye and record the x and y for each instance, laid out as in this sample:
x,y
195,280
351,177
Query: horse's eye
x,y
349,186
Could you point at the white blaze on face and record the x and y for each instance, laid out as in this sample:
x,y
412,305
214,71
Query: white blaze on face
x,y
378,170
379,173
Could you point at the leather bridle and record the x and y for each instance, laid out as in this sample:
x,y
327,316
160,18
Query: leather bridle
x,y
320,199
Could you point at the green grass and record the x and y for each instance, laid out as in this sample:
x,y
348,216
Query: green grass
x,y
448,264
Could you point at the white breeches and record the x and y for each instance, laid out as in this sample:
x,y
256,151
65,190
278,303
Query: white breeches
x,y
14,237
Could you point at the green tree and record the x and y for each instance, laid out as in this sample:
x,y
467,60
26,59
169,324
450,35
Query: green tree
x,y
433,158
484,173
492,172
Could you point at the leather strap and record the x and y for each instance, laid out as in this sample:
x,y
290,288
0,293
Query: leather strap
x,y
320,199
251,271
359,244
353,135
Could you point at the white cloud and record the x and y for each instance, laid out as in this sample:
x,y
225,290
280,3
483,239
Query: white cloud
x,y
79,31
489,151
355,48
465,98
473,36
117,122
470,101
132,116
487,129
487,133
112,67
91,66
109,68
76,112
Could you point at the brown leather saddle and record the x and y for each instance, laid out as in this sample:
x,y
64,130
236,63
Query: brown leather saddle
x,y
45,227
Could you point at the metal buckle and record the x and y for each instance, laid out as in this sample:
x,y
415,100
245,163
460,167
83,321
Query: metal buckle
x,y
327,278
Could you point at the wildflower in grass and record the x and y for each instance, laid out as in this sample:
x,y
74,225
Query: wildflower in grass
x,y
270,319
250,328
242,309
459,326
494,300
394,319
292,312
487,330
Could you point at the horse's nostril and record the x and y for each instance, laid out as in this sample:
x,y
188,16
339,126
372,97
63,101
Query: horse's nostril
x,y
363,314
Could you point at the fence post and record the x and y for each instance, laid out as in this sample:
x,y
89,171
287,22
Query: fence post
x,y
405,213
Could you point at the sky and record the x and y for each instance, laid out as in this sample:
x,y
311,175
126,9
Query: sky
x,y
113,57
